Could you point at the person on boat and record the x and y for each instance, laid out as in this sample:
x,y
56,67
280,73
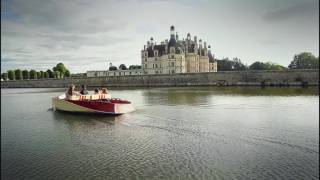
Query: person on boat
x,y
70,92
84,90
104,91
96,91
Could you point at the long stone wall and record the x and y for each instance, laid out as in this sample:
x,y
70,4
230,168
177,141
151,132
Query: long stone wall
x,y
241,78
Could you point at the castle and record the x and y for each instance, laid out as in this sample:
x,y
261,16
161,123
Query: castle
x,y
177,56
169,57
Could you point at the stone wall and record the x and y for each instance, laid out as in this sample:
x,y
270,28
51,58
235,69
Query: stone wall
x,y
241,78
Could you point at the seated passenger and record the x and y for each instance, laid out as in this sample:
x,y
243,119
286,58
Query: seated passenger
x,y
70,92
84,90
96,91
104,91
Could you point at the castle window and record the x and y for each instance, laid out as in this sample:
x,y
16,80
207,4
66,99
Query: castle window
x,y
145,59
155,59
145,65
172,71
172,64
172,56
156,65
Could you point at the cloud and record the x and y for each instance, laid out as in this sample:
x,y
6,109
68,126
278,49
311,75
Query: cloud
x,y
301,10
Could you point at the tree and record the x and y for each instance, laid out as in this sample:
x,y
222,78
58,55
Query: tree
x,y
134,67
50,73
304,60
25,74
257,66
113,68
33,74
11,75
56,74
46,75
67,73
61,69
4,76
123,67
265,66
38,75
18,74
230,65
41,74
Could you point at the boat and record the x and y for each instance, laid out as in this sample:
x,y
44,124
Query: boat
x,y
95,103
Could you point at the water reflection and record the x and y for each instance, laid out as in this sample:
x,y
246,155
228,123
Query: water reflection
x,y
199,95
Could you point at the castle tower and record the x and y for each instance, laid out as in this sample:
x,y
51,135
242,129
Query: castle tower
x,y
172,32
196,44
200,47
152,43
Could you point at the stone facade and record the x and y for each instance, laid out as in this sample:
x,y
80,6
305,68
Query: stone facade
x,y
177,56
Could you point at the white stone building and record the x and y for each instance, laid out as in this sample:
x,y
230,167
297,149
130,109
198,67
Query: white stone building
x,y
177,56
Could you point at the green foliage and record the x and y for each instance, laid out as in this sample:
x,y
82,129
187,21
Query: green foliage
x,y
56,74
265,66
4,76
25,74
231,65
113,68
50,73
67,73
41,74
18,74
45,74
134,67
11,75
257,66
123,67
38,75
304,60
33,74
61,69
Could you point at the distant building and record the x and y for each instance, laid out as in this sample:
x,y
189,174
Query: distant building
x,y
177,56
169,57
115,73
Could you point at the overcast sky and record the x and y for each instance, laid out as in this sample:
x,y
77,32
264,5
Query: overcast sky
x,y
88,34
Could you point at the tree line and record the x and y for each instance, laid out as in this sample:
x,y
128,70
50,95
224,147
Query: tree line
x,y
58,71
304,60
124,67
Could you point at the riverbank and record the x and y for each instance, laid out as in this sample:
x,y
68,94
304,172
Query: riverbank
x,y
223,78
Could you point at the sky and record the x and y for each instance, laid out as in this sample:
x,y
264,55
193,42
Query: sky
x,y
89,34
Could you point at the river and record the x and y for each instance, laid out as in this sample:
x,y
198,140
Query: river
x,y
175,133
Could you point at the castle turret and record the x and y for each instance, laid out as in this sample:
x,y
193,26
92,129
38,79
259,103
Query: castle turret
x,y
172,41
205,48
210,55
166,46
200,47
152,43
172,32
196,44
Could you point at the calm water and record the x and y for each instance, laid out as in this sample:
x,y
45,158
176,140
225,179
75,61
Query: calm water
x,y
176,133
